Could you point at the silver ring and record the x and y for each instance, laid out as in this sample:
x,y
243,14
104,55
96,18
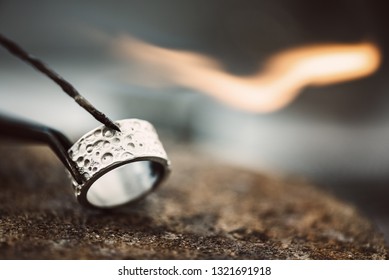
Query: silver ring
x,y
118,167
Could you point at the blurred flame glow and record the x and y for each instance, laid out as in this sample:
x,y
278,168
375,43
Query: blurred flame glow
x,y
276,85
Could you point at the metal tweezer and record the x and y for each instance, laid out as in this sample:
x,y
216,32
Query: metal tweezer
x,y
18,129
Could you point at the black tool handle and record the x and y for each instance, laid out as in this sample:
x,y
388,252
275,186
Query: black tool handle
x,y
14,128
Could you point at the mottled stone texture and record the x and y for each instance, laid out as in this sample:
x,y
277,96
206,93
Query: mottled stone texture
x,y
207,210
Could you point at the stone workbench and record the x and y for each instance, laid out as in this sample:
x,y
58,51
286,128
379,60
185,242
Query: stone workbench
x,y
206,210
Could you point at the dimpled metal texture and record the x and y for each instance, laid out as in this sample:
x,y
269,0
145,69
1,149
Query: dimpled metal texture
x,y
101,149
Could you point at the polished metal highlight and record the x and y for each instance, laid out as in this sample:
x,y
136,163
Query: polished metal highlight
x,y
118,167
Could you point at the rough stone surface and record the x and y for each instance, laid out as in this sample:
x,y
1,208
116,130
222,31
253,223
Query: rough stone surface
x,y
207,210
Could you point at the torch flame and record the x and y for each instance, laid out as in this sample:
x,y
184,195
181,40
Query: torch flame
x,y
282,79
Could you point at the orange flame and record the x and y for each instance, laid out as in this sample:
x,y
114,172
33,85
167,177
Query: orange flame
x,y
284,76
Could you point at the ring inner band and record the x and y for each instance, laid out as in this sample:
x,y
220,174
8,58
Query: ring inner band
x,y
123,184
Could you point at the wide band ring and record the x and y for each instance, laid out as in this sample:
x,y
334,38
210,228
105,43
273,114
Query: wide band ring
x,y
118,167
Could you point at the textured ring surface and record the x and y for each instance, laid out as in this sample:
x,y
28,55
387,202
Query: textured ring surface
x,y
119,167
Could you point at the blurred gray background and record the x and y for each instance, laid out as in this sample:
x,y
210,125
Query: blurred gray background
x,y
335,136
